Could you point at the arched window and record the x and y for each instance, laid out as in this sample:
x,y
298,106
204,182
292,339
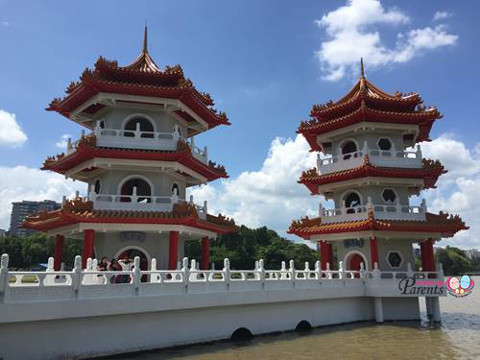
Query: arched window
x,y
175,189
352,200
97,187
348,148
389,196
143,190
144,124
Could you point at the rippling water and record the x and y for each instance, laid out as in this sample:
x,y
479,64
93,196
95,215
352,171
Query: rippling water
x,y
457,338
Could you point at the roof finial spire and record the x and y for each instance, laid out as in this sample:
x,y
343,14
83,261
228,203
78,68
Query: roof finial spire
x,y
145,39
362,72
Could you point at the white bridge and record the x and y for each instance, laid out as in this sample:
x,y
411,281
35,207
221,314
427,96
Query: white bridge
x,y
166,308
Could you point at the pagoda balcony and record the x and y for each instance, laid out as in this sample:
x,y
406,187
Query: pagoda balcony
x,y
410,159
380,212
136,202
144,140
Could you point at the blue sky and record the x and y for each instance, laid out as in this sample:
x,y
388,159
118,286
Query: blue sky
x,y
262,61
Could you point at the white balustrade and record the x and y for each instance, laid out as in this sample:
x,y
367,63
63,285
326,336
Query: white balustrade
x,y
137,139
380,211
136,202
90,283
390,158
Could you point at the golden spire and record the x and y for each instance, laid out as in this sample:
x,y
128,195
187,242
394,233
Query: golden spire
x,y
145,39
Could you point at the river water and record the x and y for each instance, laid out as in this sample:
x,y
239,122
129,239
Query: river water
x,y
458,337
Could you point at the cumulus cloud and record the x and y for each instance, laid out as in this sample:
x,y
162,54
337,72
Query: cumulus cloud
x,y
23,183
62,143
352,32
270,196
441,15
11,134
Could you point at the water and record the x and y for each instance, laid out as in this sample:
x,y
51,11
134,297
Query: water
x,y
458,337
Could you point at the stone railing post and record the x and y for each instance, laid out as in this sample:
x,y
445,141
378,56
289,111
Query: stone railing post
x,y
292,271
137,130
176,133
329,273
186,273
362,270
376,271
136,274
154,278
205,207
410,272
77,275
283,270
226,272
318,270
4,273
319,161
419,152
341,270
261,269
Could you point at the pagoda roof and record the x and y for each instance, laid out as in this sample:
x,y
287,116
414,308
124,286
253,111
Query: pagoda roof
x,y
430,172
87,149
142,77
365,102
80,211
442,223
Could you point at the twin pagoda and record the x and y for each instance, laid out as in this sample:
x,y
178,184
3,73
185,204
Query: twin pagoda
x,y
371,167
137,160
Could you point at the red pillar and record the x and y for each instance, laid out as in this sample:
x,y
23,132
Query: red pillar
x,y
373,251
88,245
58,252
323,254
205,252
429,256
173,250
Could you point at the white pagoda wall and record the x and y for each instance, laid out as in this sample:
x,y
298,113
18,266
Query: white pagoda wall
x,y
164,122
375,193
155,246
162,182
384,246
370,138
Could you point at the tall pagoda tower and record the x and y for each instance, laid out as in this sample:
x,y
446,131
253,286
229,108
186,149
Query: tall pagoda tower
x,y
137,160
372,166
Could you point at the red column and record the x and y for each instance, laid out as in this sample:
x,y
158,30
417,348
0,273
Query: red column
x,y
323,254
173,250
430,258
88,246
205,252
373,251
58,252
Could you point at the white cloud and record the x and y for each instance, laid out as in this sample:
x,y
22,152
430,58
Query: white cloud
x,y
352,33
441,15
5,23
11,133
270,196
23,183
62,143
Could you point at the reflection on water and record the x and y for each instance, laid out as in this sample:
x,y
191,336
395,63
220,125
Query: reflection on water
x,y
457,338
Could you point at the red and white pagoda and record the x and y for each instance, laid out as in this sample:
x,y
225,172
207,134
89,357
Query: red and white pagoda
x,y
137,163
371,169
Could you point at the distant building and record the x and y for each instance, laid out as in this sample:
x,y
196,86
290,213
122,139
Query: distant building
x,y
21,209
472,254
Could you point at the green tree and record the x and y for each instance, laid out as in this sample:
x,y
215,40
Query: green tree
x,y
454,261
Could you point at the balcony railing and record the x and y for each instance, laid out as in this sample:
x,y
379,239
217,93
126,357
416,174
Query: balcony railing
x,y
380,211
136,202
137,139
390,158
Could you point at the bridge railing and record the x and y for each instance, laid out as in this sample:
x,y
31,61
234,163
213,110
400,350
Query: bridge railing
x,y
89,283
